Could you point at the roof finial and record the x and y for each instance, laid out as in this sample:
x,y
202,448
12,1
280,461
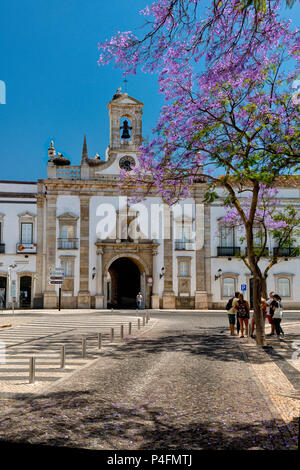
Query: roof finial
x,y
84,155
125,84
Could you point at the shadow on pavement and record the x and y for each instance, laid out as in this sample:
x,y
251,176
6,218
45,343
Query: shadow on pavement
x,y
83,420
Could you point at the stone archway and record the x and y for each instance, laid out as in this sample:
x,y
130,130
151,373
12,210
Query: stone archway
x,y
126,275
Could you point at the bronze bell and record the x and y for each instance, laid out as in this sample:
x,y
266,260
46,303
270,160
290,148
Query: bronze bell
x,y
125,133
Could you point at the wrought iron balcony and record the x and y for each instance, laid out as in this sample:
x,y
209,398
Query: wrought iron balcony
x,y
29,248
182,245
67,243
287,252
228,250
2,247
257,250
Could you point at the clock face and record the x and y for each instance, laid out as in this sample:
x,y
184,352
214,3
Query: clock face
x,y
126,163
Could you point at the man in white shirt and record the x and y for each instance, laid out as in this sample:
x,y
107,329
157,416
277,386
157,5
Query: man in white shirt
x,y
139,300
232,312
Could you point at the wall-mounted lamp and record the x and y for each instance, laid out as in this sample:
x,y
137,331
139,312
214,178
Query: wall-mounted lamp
x,y
94,272
217,276
162,273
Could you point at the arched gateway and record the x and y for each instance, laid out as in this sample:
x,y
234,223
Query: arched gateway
x,y
125,277
125,283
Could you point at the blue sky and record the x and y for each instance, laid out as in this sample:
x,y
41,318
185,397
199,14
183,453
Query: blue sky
x,y
54,87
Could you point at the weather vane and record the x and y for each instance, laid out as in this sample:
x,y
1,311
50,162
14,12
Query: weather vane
x,y
125,84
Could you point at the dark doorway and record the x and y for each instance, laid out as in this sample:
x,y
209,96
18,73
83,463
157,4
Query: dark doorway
x,y
25,292
3,283
125,283
251,291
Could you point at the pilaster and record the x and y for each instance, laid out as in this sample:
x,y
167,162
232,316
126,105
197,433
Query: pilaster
x,y
168,293
84,297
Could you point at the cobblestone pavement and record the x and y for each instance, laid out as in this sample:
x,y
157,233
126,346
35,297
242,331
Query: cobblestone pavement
x,y
183,384
42,338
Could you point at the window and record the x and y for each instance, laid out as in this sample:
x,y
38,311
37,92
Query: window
x,y
183,269
228,287
26,232
283,285
227,236
257,236
0,232
68,268
67,231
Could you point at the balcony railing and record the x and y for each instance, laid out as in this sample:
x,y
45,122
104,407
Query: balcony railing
x,y
67,243
2,247
288,252
182,245
257,250
26,248
228,250
68,172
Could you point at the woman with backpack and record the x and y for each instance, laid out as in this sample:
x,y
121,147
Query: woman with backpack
x,y
231,308
243,313
276,314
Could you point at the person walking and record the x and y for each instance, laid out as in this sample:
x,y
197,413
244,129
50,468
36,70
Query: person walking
x,y
276,313
243,311
269,317
139,300
263,308
231,307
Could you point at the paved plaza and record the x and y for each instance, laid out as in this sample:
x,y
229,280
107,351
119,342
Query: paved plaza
x,y
178,382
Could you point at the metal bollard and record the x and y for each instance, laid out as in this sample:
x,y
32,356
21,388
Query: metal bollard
x,y
139,323
112,335
122,331
99,340
143,320
136,312
130,328
147,318
83,347
62,357
31,370
112,310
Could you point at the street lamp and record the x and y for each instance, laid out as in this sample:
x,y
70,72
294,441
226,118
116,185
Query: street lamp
x,y
94,272
162,272
217,276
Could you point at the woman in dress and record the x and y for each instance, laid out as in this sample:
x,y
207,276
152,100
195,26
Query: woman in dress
x,y
243,311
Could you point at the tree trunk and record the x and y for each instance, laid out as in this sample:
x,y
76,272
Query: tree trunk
x,y
264,292
258,314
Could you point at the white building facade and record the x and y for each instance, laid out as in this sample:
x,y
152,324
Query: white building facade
x,y
111,248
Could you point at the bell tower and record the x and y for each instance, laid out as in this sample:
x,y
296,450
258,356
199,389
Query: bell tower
x,y
125,122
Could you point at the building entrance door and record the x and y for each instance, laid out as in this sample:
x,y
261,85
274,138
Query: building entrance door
x,y
25,292
125,283
3,283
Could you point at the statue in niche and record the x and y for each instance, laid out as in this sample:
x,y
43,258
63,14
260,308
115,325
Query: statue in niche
x,y
126,128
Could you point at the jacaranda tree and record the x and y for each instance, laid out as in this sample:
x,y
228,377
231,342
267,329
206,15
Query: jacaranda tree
x,y
226,70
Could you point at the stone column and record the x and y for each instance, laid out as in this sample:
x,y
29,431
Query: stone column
x,y
84,296
99,299
168,293
202,253
155,275
50,297
38,297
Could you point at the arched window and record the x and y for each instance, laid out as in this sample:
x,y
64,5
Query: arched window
x,y
284,287
228,287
